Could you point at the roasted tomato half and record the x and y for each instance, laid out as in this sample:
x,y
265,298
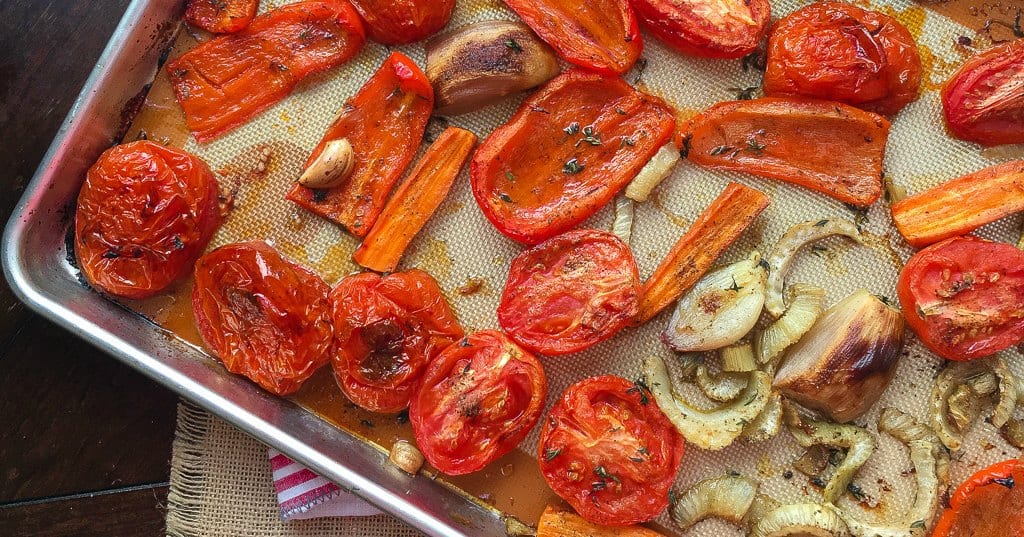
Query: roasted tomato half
x,y
989,504
386,330
145,214
607,449
709,28
984,101
964,297
398,22
221,16
570,292
840,52
263,316
600,35
571,146
478,399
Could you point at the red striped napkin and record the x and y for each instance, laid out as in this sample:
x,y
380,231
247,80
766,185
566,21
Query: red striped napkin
x,y
302,494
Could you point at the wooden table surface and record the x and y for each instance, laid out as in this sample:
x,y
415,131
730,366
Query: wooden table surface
x,y
85,442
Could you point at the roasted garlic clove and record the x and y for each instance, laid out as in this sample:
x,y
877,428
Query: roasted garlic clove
x,y
332,166
406,456
845,362
482,63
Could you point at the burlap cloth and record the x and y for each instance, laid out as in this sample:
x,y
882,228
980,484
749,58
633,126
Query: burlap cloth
x,y
221,480
221,487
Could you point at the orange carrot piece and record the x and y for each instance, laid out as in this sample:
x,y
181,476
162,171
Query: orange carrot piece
x,y
961,205
559,522
716,229
415,201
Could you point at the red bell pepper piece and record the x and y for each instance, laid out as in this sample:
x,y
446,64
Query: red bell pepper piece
x,y
384,122
228,80
221,16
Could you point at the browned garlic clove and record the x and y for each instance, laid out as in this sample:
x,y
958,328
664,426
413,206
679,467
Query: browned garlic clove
x,y
331,167
482,63
406,456
845,362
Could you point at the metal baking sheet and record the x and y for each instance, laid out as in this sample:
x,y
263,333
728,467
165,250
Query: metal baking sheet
x,y
35,263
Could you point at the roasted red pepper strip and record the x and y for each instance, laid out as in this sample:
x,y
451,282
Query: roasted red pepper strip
x,y
384,122
566,152
221,16
989,504
226,81
984,101
601,35
397,22
829,147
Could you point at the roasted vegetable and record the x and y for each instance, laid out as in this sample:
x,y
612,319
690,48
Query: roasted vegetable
x,y
738,358
722,387
987,505
961,205
406,456
706,28
398,22
714,428
767,424
829,147
720,309
785,250
482,63
800,520
221,16
805,307
931,471
962,388
653,173
415,201
728,497
858,443
847,359
720,225
625,212
984,101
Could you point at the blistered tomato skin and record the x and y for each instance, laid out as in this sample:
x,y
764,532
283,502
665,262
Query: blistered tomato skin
x,y
570,292
707,28
840,52
145,214
984,101
399,22
565,153
221,16
600,35
609,452
261,315
478,400
386,330
964,297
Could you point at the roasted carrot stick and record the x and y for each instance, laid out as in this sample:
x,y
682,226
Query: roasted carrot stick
x,y
961,205
716,229
558,522
415,200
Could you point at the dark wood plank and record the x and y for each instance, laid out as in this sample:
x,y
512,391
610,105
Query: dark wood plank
x,y
47,49
75,420
130,513
71,419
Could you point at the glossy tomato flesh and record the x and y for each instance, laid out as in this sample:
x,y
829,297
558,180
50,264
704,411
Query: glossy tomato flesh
x,y
386,330
840,52
221,16
984,101
599,35
709,28
964,297
571,146
989,504
608,450
570,292
384,122
263,316
145,214
398,22
478,400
